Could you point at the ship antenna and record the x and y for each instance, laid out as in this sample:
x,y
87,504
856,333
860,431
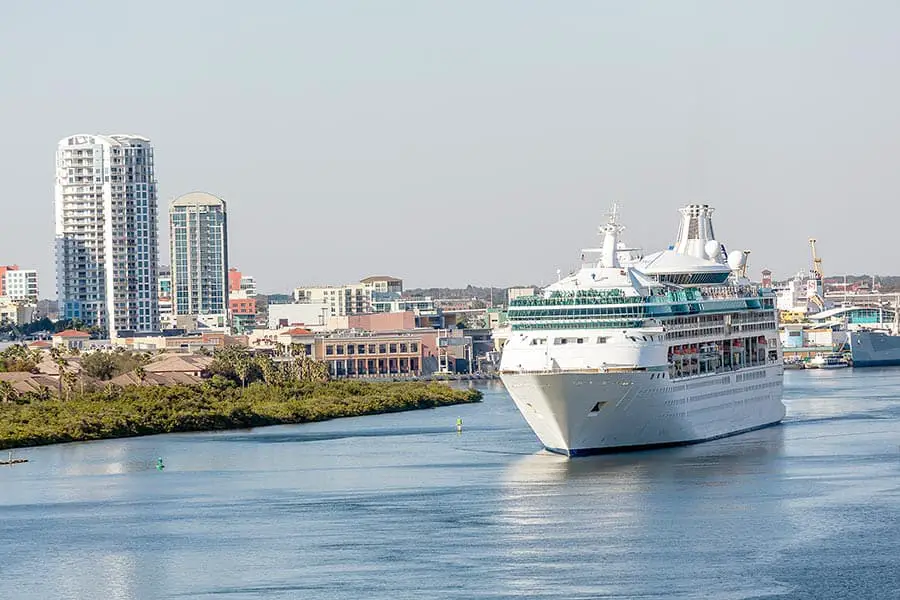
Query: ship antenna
x,y
614,214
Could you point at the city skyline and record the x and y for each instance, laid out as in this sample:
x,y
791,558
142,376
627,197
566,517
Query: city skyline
x,y
490,146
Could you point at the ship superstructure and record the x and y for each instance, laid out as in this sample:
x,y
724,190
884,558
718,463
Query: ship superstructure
x,y
633,351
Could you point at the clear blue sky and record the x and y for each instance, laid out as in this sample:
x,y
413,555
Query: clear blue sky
x,y
469,142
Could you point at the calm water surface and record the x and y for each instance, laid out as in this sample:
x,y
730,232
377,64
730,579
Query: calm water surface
x,y
400,506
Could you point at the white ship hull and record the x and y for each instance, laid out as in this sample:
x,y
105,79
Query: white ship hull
x,y
577,413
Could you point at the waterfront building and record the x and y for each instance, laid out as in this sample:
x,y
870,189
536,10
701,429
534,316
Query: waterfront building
x,y
106,232
20,285
369,295
198,227
362,354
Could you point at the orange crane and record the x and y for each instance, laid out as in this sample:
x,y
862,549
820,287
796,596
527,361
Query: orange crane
x,y
817,262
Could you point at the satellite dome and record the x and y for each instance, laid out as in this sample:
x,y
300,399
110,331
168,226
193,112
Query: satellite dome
x,y
736,259
712,249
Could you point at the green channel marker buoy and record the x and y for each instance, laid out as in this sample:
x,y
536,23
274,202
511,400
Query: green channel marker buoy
x,y
459,425
159,464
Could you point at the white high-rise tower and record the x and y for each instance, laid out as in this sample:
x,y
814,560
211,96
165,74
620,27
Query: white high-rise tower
x,y
106,232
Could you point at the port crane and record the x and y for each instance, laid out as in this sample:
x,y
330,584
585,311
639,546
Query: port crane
x,y
817,261
817,276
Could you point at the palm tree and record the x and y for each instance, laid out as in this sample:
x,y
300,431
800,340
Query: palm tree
x,y
141,373
310,369
267,367
57,355
242,366
68,380
8,392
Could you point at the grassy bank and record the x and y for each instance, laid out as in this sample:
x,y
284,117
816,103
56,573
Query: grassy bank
x,y
135,410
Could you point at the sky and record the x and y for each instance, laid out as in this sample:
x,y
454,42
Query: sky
x,y
469,142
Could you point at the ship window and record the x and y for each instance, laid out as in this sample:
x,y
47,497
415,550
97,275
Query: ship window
x,y
601,340
579,341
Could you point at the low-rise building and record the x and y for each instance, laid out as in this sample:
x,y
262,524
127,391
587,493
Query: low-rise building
x,y
70,339
180,343
353,298
368,354
284,341
10,312
242,306
308,314
21,285
164,292
243,311
189,364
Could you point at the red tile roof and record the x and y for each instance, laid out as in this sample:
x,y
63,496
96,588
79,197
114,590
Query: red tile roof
x,y
299,331
72,333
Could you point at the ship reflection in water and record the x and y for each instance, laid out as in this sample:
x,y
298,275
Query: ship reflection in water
x,y
625,472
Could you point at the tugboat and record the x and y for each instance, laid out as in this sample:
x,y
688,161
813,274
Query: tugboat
x,y
828,361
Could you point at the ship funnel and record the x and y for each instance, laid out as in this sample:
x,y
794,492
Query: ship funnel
x,y
696,232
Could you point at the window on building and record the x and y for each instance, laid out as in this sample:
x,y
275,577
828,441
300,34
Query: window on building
x,y
414,347
404,347
371,348
329,350
382,348
393,348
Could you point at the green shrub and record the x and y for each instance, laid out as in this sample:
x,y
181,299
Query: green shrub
x,y
142,410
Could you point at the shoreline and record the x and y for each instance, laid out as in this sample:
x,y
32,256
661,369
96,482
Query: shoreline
x,y
197,409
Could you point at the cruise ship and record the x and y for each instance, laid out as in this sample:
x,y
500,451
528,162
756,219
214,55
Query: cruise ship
x,y
632,351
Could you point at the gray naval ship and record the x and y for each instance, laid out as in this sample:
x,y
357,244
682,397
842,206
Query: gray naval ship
x,y
872,332
870,348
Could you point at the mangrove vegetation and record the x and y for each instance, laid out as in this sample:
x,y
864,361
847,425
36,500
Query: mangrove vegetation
x,y
240,390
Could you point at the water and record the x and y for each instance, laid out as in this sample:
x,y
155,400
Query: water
x,y
400,506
